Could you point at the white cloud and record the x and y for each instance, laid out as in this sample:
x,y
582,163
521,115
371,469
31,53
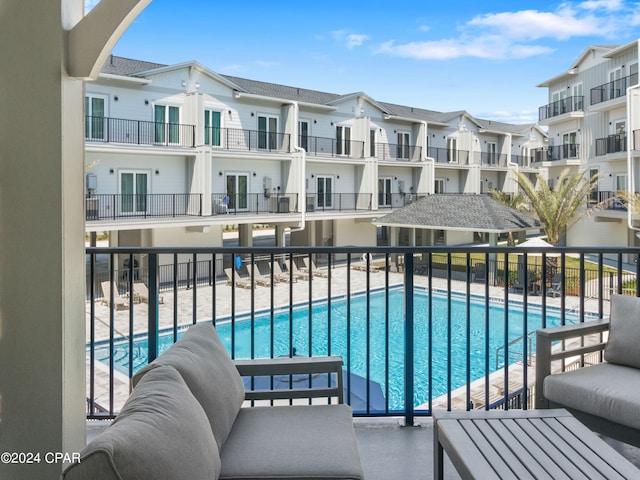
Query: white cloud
x,y
350,40
609,5
267,64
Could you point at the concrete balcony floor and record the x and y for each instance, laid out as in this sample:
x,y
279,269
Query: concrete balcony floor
x,y
390,451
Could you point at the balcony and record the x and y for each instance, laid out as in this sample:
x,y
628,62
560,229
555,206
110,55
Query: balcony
x,y
561,107
253,203
247,140
554,153
338,202
611,144
610,200
522,160
138,132
130,206
612,90
440,347
446,155
491,159
331,147
393,152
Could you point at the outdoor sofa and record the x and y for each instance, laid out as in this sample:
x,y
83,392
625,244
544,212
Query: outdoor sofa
x,y
185,419
605,395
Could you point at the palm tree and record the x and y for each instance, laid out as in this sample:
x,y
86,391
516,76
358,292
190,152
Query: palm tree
x,y
517,201
560,207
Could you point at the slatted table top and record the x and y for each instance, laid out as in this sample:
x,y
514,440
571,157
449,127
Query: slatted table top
x,y
524,444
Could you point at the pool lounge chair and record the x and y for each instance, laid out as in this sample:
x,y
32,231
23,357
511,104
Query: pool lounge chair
x,y
280,276
119,302
296,271
258,278
142,293
239,281
556,286
362,264
315,271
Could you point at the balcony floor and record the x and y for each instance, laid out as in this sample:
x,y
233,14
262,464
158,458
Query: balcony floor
x,y
389,450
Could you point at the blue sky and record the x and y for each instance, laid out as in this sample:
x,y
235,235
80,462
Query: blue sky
x,y
483,57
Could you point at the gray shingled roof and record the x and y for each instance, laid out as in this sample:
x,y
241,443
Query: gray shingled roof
x,y
478,213
127,66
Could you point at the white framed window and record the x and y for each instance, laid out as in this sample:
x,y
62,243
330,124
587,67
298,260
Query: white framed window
x,y
621,182
167,124
267,132
372,142
578,97
134,187
212,127
492,153
439,185
384,192
237,192
95,111
570,145
303,134
403,145
324,192
452,150
343,140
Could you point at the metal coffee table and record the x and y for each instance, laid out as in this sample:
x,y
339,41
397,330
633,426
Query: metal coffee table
x,y
536,444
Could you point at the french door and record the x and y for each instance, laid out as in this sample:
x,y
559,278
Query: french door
x,y
134,187
324,195
238,191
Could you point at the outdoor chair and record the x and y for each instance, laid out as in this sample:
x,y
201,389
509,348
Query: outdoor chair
x,y
237,280
315,271
119,302
281,276
556,286
258,278
296,271
480,273
142,293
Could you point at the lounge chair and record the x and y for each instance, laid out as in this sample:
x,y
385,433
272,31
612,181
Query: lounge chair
x,y
315,271
296,271
281,276
239,281
258,278
119,302
480,273
556,286
362,264
142,293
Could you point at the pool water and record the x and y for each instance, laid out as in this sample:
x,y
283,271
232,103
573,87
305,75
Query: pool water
x,y
380,344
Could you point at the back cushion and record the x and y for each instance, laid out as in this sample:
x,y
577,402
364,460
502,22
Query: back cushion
x,y
210,374
623,345
161,433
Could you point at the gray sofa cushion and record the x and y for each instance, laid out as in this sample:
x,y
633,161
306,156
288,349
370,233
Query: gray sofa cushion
x,y
623,345
606,390
292,442
161,433
210,374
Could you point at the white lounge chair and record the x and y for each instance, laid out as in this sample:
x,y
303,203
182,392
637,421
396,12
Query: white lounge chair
x,y
242,282
142,293
315,271
120,302
281,276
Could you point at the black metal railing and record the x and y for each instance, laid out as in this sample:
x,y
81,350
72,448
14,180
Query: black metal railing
x,y
493,159
253,203
611,144
404,354
247,140
340,202
331,147
554,153
390,151
114,206
138,132
612,90
446,155
560,107
397,200
608,200
523,160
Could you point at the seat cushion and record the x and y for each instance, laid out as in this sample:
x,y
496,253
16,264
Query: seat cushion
x,y
210,374
292,442
606,390
624,331
161,433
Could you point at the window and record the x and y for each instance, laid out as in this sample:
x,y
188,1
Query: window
x,y
452,150
621,182
212,128
569,145
593,196
492,153
578,97
403,145
558,103
167,119
303,134
238,191
439,185
343,140
372,142
94,111
134,187
324,192
267,133
384,192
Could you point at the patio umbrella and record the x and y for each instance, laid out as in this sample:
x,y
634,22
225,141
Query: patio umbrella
x,y
357,383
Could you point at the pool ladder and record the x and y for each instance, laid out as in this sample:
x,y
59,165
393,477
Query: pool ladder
x,y
516,353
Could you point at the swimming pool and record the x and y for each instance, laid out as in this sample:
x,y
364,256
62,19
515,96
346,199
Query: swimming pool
x,y
378,344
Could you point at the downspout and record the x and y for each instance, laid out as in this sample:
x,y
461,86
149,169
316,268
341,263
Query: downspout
x,y
303,172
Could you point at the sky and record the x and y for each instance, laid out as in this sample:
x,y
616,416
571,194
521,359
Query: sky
x,y
482,57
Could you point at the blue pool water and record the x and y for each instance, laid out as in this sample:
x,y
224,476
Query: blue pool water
x,y
320,334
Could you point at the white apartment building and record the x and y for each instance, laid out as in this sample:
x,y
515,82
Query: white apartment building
x,y
176,152
593,125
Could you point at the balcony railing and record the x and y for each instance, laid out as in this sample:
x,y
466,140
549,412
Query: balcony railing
x,y
331,147
522,160
560,107
397,200
339,202
120,206
390,151
554,153
247,140
138,132
462,337
493,159
611,144
446,155
610,200
253,203
612,90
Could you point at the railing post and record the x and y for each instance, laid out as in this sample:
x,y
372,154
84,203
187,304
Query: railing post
x,y
408,339
153,307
